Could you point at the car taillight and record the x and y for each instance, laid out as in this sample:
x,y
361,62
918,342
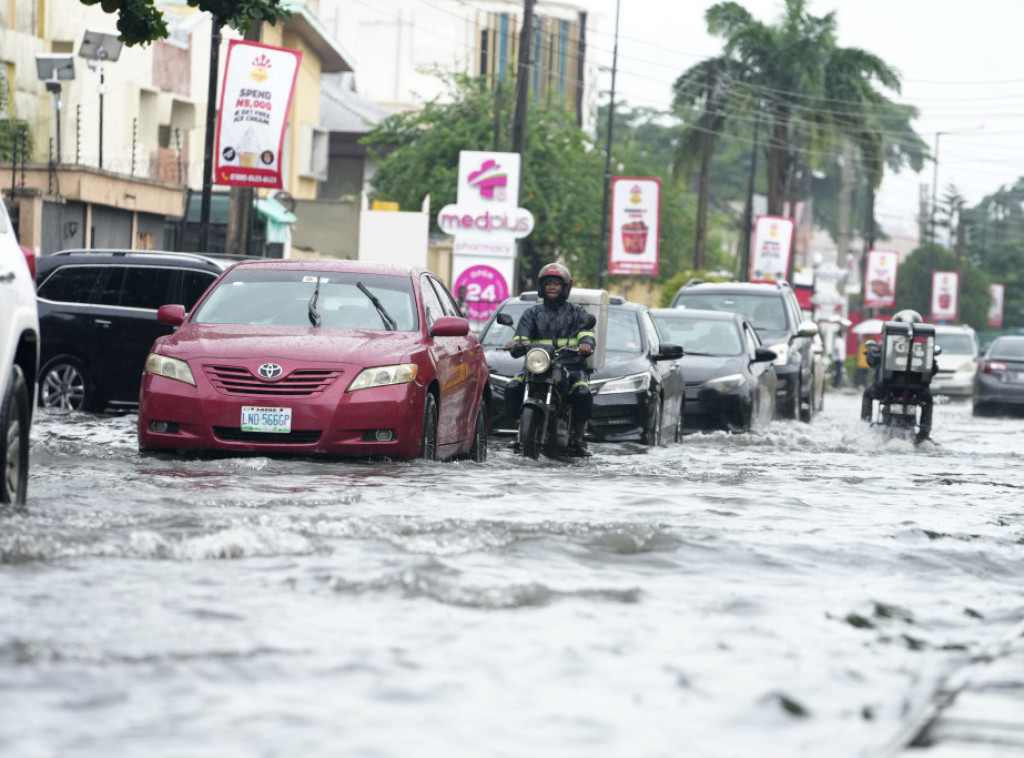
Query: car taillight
x,y
992,367
30,258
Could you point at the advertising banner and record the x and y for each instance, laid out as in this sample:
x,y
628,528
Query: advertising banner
x,y
636,217
770,248
486,222
255,97
945,296
995,307
880,279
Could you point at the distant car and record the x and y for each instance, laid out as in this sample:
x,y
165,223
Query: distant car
x,y
19,360
638,392
775,313
318,357
999,379
97,313
957,361
730,379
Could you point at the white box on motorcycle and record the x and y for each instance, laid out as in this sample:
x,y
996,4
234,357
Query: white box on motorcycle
x,y
596,302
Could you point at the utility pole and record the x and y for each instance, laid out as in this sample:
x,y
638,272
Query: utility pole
x,y
603,245
240,210
700,247
523,68
211,115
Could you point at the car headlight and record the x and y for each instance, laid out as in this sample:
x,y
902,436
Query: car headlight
x,y
781,353
381,376
725,384
631,383
538,361
172,368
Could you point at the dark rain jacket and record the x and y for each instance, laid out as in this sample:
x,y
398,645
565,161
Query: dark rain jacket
x,y
556,324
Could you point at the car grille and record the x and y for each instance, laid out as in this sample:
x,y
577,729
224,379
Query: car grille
x,y
297,437
235,380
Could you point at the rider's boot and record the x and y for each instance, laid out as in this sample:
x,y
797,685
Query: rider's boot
x,y
924,429
579,444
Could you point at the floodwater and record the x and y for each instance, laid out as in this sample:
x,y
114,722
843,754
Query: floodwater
x,y
794,593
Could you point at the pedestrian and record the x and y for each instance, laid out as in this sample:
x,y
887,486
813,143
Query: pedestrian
x,y
838,358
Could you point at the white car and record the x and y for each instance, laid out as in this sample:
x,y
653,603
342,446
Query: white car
x,y
19,362
957,361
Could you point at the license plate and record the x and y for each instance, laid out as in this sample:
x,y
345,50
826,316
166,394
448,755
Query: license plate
x,y
255,419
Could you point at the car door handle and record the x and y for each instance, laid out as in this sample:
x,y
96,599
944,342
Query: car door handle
x,y
8,277
102,322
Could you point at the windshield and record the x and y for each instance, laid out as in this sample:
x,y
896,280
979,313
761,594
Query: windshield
x,y
701,337
764,312
955,344
1012,349
498,335
281,297
623,335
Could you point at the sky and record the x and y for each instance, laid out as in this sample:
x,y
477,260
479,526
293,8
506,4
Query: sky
x,y
961,65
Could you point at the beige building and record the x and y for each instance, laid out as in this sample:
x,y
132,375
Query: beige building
x,y
117,166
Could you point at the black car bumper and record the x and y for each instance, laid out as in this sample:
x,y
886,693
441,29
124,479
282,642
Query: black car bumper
x,y
709,410
619,416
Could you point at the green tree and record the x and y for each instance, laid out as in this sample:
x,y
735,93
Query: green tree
x,y
141,21
914,284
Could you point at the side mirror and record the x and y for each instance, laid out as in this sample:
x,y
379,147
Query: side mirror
x,y
669,351
172,315
504,319
450,326
764,355
938,350
807,329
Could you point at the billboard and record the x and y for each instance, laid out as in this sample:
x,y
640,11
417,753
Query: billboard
x,y
635,226
255,97
770,248
945,296
880,279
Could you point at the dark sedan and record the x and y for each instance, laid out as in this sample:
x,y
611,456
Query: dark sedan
x,y
638,392
999,378
730,379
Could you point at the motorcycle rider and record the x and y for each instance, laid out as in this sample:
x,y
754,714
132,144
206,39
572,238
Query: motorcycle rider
x,y
556,321
875,391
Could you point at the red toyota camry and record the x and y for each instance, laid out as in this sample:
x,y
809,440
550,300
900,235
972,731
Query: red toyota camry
x,y
318,356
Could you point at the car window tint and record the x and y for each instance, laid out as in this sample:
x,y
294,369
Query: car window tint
x,y
955,344
146,287
431,303
110,286
499,335
1007,348
702,337
282,297
623,334
194,284
70,284
653,341
763,311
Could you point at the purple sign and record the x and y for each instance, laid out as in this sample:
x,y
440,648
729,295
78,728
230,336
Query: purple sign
x,y
481,289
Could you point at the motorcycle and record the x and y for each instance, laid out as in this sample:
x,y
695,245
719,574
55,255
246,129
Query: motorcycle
x,y
904,364
545,420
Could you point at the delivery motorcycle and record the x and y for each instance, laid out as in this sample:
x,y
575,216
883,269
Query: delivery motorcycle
x,y
545,419
904,364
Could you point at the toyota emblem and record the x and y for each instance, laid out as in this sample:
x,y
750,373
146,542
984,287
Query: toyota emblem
x,y
270,371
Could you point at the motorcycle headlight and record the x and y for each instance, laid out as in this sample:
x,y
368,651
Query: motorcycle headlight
x,y
538,361
631,383
781,351
725,384
381,376
172,368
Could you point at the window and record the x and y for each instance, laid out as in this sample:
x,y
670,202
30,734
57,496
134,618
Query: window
x,y
146,287
431,303
313,144
110,288
194,284
71,284
448,304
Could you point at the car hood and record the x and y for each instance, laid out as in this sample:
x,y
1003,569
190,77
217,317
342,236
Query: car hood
x,y
501,363
232,341
701,368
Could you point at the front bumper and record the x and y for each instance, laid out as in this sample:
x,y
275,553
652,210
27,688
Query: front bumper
x,y
619,416
334,422
958,383
709,410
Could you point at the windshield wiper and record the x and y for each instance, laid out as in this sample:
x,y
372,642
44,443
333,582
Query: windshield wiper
x,y
389,322
314,315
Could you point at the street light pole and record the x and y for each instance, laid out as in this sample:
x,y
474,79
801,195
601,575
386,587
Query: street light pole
x,y
935,178
602,252
211,121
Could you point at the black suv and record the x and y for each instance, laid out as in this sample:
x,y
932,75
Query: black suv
x,y
774,312
97,319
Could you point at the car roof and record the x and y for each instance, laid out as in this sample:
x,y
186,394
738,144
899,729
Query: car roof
x,y
106,256
768,288
948,328
340,265
696,314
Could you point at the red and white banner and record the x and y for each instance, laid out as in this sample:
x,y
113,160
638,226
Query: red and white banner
x,y
995,306
945,296
770,248
636,226
255,97
880,279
